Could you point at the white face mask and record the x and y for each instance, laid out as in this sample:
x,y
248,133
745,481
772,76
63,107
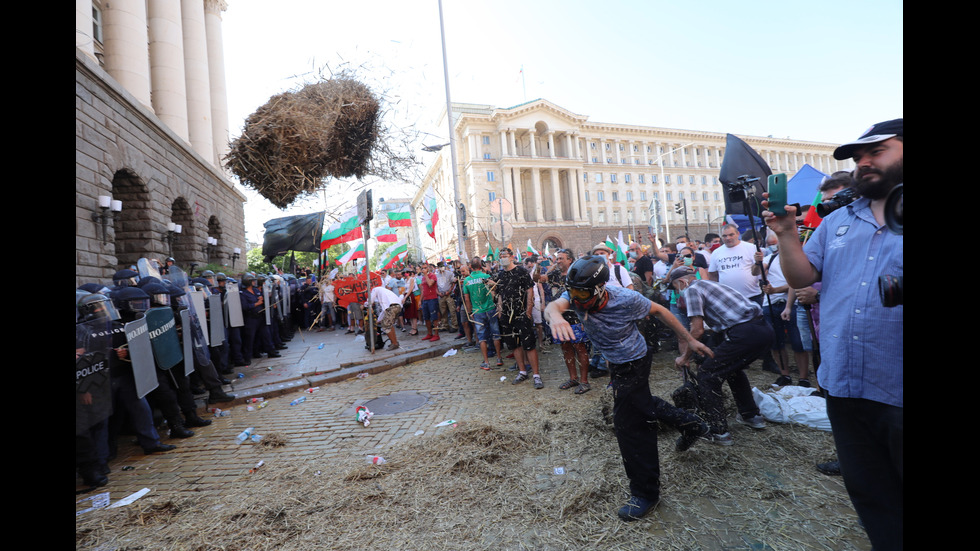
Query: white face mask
x,y
506,261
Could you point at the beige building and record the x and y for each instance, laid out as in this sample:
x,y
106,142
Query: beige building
x,y
571,182
151,128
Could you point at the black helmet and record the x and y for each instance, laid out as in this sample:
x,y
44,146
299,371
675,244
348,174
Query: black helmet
x,y
125,278
220,276
159,295
144,281
207,273
97,306
586,280
131,300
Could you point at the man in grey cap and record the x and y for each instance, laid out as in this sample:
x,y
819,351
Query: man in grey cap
x,y
861,339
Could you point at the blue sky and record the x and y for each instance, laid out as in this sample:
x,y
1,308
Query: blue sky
x,y
821,71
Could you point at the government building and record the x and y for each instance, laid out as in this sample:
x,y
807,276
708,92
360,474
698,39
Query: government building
x,y
151,128
571,182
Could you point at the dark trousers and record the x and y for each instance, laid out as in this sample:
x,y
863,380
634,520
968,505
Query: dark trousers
x,y
742,345
635,416
869,438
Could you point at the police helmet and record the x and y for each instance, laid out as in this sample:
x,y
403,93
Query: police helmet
x,y
97,306
131,300
159,295
125,278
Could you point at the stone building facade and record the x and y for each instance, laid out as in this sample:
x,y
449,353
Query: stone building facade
x,y
161,172
571,182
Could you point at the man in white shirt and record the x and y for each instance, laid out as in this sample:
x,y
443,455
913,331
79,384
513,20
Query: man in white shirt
x,y
391,306
732,263
618,275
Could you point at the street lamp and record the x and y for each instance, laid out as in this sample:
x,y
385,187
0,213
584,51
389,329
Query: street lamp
x,y
663,185
452,138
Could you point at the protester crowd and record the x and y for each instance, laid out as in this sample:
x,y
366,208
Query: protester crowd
x,y
730,299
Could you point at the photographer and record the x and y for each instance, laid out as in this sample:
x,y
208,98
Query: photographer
x,y
861,340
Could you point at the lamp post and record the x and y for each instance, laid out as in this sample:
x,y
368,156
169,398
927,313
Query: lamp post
x,y
452,138
235,255
172,236
663,184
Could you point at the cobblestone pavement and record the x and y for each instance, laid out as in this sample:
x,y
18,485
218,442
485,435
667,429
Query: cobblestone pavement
x,y
418,395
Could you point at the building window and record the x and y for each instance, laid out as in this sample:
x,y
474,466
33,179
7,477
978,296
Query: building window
x,y
656,195
641,179
607,147
694,196
486,140
585,177
615,196
643,196
600,196
668,196
717,198
691,180
704,180
602,217
97,24
486,156
598,177
609,159
595,159
629,195
666,178
621,147
704,195
493,196
653,178
490,176
587,197
626,178
648,149
636,148
616,217
593,145
612,178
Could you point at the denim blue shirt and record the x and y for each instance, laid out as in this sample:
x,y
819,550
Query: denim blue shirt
x,y
613,328
861,341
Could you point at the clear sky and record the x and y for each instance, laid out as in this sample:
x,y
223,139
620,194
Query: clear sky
x,y
820,71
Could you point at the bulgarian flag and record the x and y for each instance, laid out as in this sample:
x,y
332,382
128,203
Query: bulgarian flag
x,y
356,252
812,219
343,230
387,235
431,216
621,255
392,253
400,217
531,250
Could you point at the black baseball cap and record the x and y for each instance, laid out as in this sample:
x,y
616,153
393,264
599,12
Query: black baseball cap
x,y
877,133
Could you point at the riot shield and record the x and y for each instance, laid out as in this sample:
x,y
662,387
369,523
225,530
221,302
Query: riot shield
x,y
267,299
286,299
162,329
233,305
187,341
148,268
141,356
201,352
217,325
197,298
93,383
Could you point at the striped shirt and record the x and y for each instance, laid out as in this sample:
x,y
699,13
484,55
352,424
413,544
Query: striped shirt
x,y
721,306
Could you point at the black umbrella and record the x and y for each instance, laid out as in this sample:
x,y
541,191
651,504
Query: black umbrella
x,y
739,167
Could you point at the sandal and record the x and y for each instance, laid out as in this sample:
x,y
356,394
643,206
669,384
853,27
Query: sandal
x,y
583,388
413,333
568,384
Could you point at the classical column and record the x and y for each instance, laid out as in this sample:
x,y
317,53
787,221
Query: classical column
x,y
167,65
471,140
575,190
551,143
512,138
619,158
568,145
197,76
683,152
536,190
518,196
556,195
126,46
530,135
503,144
216,70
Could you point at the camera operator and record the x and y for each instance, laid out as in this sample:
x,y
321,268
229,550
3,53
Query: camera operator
x,y
860,339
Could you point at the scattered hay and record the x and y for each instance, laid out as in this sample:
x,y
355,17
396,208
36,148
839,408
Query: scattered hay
x,y
490,483
274,440
332,128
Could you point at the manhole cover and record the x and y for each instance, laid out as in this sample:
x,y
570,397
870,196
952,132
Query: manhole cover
x,y
398,402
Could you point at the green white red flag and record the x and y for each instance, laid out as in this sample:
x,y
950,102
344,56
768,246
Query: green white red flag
x,y
355,252
392,254
387,235
400,217
431,212
343,230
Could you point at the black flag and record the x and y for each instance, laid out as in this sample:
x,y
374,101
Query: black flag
x,y
292,233
741,160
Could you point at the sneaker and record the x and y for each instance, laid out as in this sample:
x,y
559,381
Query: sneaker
x,y
805,383
782,381
690,436
513,368
723,439
500,363
757,421
485,366
636,508
521,377
538,383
